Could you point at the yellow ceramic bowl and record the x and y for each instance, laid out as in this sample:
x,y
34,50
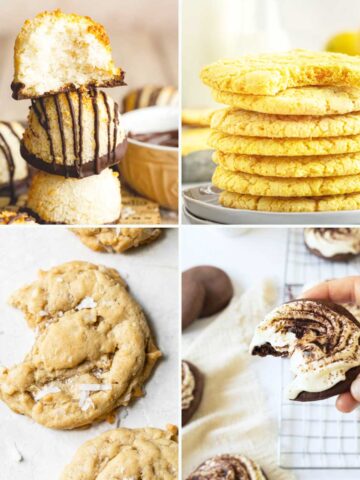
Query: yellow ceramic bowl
x,y
152,170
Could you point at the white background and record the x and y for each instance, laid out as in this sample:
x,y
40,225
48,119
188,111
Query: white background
x,y
256,255
151,273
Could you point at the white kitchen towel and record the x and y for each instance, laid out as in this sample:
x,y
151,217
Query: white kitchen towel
x,y
232,416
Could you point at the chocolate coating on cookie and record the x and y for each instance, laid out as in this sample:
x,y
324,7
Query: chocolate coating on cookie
x,y
335,244
322,340
207,282
228,467
192,387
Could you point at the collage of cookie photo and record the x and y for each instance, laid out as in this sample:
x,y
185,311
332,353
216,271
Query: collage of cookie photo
x,y
180,240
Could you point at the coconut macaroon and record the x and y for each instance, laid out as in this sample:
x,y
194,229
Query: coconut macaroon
x,y
13,169
57,52
74,134
94,200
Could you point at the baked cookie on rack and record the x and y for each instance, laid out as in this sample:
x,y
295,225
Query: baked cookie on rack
x,y
337,244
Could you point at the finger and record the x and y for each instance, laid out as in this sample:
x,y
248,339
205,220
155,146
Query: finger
x,y
339,290
355,388
346,403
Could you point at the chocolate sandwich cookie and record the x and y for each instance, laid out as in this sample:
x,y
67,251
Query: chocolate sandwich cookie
x,y
192,386
206,290
322,340
336,244
226,467
74,134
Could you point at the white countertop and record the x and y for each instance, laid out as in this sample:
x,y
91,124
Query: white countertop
x,y
152,275
258,254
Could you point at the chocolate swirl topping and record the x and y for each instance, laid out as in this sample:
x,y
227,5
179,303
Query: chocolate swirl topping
x,y
78,168
322,339
228,467
6,150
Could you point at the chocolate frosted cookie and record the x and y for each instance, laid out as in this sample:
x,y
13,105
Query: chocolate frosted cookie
x,y
321,339
206,290
228,467
337,244
192,386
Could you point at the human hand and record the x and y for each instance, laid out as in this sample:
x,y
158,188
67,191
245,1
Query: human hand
x,y
341,290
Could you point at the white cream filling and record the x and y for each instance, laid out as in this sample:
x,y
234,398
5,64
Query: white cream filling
x,y
329,246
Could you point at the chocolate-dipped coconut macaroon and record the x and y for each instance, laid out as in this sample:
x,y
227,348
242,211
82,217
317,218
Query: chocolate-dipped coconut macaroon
x,y
226,467
58,52
321,339
192,386
150,96
13,168
74,134
336,244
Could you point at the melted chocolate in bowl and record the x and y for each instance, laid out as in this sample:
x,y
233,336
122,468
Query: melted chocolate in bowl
x,y
169,138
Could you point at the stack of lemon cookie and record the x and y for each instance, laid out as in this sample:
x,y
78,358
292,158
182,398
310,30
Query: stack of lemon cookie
x,y
290,140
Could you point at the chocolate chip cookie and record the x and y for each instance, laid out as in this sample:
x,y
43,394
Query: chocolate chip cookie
x,y
93,349
128,454
116,240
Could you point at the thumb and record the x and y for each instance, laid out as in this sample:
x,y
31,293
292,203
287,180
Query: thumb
x,y
355,388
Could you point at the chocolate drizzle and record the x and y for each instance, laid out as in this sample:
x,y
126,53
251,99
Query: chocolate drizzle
x,y
78,169
96,129
5,148
107,124
61,130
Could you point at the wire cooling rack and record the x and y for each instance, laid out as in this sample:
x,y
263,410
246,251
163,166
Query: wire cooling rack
x,y
314,435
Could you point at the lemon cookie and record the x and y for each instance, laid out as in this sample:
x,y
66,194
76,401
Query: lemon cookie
x,y
296,101
253,124
270,73
291,204
284,187
303,166
93,349
283,146
194,140
126,453
197,117
116,240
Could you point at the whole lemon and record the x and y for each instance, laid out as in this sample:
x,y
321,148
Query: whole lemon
x,y
345,42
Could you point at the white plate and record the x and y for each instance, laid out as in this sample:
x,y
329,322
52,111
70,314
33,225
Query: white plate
x,y
203,202
194,220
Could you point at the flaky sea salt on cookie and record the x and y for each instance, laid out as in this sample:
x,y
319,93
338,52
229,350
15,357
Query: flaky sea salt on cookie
x,y
58,52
